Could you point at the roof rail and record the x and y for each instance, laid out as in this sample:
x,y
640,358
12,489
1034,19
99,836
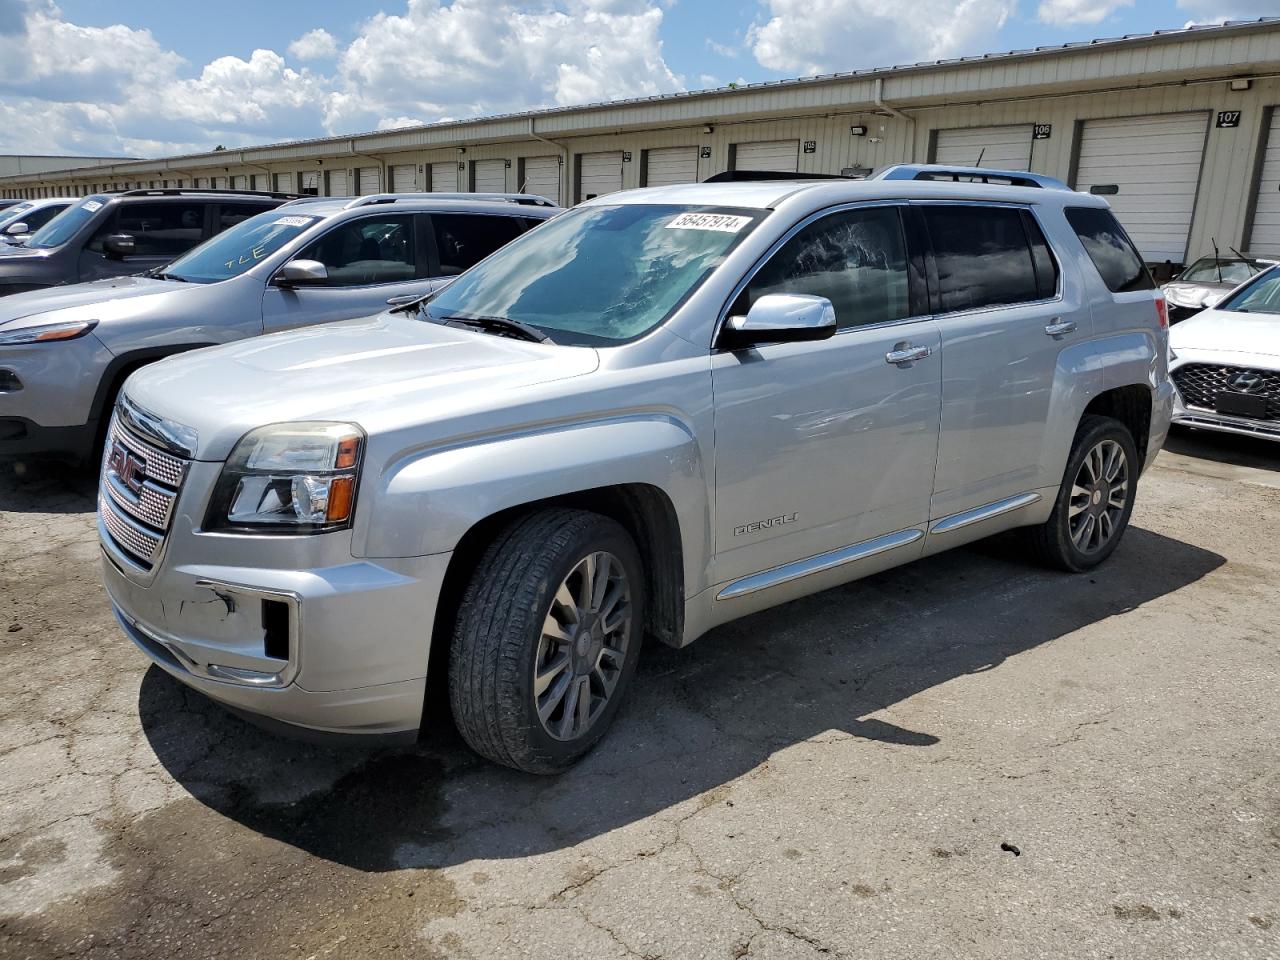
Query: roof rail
x,y
752,176
937,171
525,199
190,191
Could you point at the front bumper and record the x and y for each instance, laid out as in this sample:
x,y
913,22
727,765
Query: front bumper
x,y
344,650
48,393
1202,418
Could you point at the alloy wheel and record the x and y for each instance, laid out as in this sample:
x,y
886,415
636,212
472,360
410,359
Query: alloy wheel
x,y
583,646
1099,496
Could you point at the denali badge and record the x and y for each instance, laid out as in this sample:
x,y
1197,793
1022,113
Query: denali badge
x,y
1244,382
764,524
128,466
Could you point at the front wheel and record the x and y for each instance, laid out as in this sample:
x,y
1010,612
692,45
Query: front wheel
x,y
546,640
1095,500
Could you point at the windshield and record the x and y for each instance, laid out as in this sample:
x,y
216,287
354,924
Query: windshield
x,y
599,274
66,224
1205,270
238,248
13,214
1261,296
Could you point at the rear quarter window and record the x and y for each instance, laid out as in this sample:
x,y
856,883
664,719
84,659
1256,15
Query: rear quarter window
x,y
1110,249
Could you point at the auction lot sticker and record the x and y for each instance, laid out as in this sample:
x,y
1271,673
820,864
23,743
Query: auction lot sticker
x,y
722,222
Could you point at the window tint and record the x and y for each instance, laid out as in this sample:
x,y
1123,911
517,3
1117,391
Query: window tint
x,y
158,229
361,252
1110,249
229,214
982,256
463,240
1045,266
857,259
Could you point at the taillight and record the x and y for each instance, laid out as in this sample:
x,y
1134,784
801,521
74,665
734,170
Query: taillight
x,y
1162,312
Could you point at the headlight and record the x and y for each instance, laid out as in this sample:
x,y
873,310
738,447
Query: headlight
x,y
47,331
290,478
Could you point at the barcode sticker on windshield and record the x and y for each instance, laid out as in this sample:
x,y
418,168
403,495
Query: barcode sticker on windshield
x,y
92,205
291,221
722,222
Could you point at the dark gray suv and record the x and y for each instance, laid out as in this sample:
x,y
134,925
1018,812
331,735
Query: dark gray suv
x,y
118,234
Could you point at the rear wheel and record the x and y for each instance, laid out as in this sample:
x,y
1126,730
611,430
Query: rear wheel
x,y
1095,500
546,640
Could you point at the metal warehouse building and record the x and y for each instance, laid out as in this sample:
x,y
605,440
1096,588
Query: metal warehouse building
x,y
1179,129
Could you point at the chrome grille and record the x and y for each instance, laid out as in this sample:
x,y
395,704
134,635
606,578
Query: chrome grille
x,y
1200,383
138,489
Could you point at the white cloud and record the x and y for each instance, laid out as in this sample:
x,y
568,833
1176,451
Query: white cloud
x,y
318,44
723,49
823,36
1065,13
116,89
1216,11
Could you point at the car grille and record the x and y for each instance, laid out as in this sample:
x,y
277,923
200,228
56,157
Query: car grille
x,y
137,493
1200,383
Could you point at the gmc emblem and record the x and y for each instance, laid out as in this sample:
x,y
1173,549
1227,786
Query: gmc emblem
x,y
128,466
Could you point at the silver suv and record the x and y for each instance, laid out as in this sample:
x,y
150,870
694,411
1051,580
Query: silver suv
x,y
65,351
663,410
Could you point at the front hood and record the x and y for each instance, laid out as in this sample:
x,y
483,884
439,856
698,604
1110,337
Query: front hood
x,y
379,372
1228,332
98,294
1193,294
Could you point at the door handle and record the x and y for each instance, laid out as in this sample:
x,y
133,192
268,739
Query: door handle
x,y
1060,328
906,353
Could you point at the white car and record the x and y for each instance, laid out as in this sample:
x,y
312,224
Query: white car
x,y
21,220
1225,362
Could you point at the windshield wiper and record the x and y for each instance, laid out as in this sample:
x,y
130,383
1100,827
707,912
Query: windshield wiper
x,y
499,325
161,275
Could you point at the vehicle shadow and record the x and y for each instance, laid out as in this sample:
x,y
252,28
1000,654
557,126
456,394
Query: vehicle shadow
x,y
697,718
46,487
1225,448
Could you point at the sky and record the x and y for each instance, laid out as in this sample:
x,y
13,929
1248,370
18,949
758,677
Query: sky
x,y
156,77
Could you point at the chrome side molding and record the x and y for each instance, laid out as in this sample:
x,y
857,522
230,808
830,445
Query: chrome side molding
x,y
817,564
958,521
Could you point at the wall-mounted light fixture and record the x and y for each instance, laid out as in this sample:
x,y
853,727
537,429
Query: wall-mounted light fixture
x,y
1241,83
708,129
858,130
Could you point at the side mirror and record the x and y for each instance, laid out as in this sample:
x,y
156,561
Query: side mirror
x,y
16,229
297,273
780,318
119,245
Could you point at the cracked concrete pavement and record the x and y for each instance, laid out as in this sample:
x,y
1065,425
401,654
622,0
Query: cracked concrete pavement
x,y
833,778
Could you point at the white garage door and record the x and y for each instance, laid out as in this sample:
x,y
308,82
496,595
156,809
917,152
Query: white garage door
x,y
220,183
237,183
489,176
1264,238
284,183
336,184
404,178
367,178
542,177
599,173
1148,169
779,155
671,165
1005,148
260,181
444,177
310,182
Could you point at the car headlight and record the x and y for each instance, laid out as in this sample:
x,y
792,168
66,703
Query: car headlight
x,y
290,478
42,333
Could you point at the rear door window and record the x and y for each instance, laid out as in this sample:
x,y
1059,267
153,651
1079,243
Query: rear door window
x,y
983,257
368,251
1110,249
464,239
158,229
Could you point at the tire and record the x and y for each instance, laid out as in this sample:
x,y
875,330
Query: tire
x,y
1065,541
513,621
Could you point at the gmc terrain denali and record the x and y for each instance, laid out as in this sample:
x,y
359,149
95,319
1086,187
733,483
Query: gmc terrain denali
x,y
660,411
